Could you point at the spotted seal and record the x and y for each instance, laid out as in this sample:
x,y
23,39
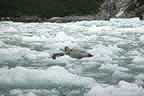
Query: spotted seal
x,y
73,52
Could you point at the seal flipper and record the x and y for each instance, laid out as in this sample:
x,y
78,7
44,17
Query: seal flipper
x,y
90,55
57,55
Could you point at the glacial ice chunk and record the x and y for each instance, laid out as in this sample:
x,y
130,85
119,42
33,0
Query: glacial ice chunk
x,y
53,77
123,89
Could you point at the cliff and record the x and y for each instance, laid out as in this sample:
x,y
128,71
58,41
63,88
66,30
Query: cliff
x,y
122,9
69,10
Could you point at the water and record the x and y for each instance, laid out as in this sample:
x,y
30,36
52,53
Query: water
x,y
117,68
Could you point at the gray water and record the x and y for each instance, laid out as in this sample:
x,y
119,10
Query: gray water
x,y
117,68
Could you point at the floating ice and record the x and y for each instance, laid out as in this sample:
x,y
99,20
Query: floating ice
x,y
136,19
123,89
140,77
19,56
34,92
142,38
125,22
138,60
112,67
117,46
61,36
7,29
12,57
52,77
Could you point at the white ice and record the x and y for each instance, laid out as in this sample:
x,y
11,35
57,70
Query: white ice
x,y
53,77
122,89
116,69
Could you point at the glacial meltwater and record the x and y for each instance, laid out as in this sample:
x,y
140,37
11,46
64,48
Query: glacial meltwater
x,y
116,69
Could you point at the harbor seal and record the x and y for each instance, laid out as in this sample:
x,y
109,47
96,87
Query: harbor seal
x,y
73,52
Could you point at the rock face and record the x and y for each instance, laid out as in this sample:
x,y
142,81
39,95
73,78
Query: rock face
x,y
121,9
111,9
106,9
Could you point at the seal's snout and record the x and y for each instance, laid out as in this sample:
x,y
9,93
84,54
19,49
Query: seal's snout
x,y
66,48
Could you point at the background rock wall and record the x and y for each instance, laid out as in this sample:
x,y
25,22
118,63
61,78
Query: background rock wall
x,y
69,10
48,8
122,9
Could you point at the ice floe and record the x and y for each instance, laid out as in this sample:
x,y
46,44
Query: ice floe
x,y
52,77
122,89
116,69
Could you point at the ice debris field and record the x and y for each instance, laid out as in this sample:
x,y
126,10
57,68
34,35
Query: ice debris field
x,y
116,69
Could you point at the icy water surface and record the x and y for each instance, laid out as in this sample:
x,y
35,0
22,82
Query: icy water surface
x,y
117,68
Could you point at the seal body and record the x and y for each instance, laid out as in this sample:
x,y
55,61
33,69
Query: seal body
x,y
76,53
